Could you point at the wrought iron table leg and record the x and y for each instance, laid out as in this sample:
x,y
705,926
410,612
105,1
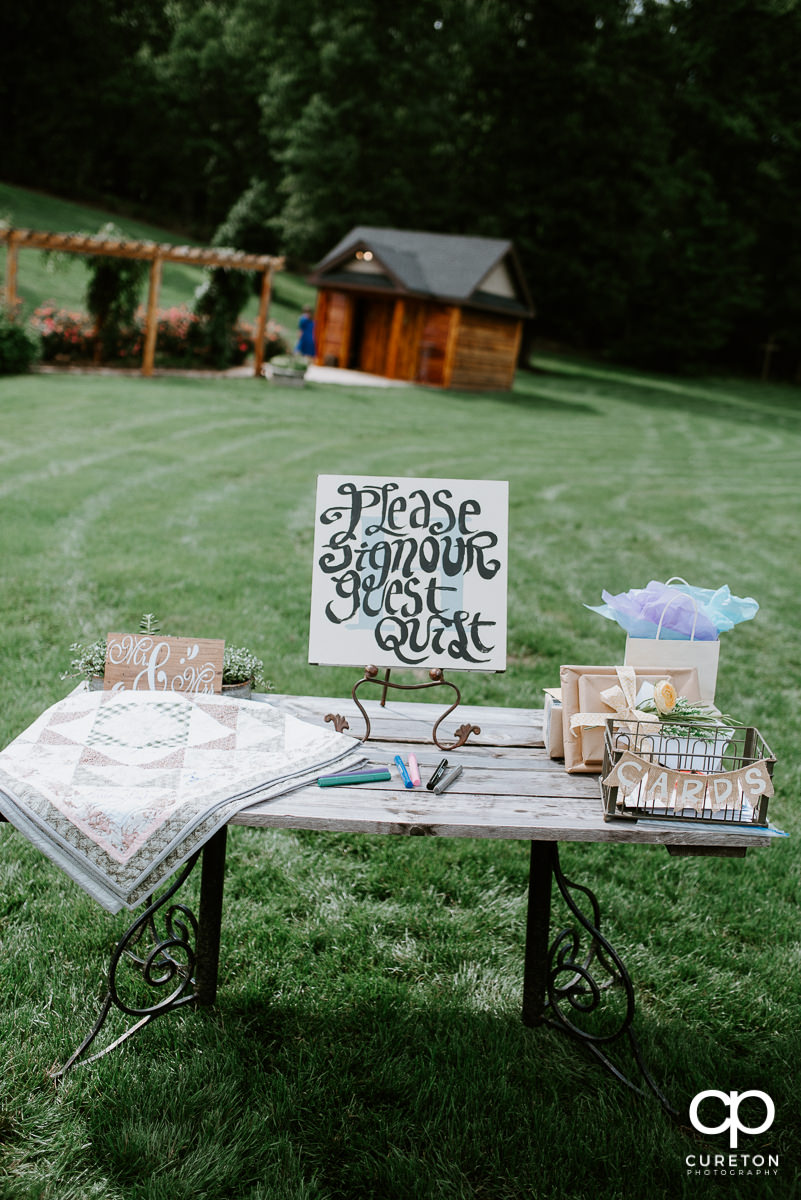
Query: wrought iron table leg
x,y
559,983
538,925
171,961
212,878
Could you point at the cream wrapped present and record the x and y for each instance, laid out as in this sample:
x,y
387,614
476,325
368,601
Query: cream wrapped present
x,y
591,695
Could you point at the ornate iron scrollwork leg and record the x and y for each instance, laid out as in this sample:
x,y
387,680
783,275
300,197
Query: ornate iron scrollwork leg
x,y
578,984
178,964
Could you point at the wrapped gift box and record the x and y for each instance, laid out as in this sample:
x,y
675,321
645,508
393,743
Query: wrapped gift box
x,y
581,693
552,723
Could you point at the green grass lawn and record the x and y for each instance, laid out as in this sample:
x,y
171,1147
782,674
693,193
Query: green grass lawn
x,y
366,1041
63,279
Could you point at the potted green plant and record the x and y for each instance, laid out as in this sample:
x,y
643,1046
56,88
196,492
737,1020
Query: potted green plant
x,y
243,671
288,369
89,662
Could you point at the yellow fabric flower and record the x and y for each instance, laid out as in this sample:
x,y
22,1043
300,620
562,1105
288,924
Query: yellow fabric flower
x,y
665,696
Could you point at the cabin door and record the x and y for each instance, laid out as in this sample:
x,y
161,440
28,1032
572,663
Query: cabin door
x,y
332,328
369,342
434,344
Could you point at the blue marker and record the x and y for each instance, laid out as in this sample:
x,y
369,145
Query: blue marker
x,y
404,774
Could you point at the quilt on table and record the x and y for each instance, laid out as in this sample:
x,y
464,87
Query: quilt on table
x,y
120,788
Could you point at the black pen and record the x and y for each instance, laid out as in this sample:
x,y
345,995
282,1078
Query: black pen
x,y
438,770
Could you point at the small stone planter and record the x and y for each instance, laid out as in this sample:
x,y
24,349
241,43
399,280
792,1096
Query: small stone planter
x,y
239,691
284,376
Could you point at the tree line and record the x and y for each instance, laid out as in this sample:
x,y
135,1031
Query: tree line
x,y
643,155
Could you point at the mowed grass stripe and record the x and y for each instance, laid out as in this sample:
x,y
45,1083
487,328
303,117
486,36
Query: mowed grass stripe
x,y
366,1039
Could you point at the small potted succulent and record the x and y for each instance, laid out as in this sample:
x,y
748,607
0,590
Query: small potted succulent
x,y
243,672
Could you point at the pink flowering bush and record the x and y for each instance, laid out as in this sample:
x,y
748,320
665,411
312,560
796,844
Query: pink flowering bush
x,y
181,339
275,341
66,336
177,334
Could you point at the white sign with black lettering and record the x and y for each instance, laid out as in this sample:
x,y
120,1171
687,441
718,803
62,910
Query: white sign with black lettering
x,y
410,573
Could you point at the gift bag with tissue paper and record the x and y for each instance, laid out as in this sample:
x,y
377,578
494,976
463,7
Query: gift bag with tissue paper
x,y
676,625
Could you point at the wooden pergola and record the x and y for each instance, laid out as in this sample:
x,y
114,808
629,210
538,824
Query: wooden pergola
x,y
156,254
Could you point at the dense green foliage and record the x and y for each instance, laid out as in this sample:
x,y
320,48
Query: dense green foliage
x,y
18,348
112,294
224,293
366,1040
643,156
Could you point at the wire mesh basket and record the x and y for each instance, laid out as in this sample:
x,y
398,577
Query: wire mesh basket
x,y
724,775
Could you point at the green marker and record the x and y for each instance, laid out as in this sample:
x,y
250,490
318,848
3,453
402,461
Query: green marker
x,y
376,776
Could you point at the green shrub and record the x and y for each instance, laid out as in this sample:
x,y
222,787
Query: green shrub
x,y
292,362
18,349
218,303
112,293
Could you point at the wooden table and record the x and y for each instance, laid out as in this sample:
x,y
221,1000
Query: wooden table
x,y
509,788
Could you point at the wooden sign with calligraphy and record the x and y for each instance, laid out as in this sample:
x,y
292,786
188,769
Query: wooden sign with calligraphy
x,y
410,573
147,662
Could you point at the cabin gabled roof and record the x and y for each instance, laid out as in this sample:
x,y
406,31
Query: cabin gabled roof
x,y
446,267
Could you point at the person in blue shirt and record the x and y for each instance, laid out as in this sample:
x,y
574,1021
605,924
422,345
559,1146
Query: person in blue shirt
x,y
305,343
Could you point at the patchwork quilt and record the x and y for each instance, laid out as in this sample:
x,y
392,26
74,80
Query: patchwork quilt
x,y
120,788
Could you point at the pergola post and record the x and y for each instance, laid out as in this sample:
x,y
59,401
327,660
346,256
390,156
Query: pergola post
x,y
11,274
151,320
261,322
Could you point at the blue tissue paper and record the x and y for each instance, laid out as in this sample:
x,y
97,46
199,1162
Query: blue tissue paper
x,y
677,612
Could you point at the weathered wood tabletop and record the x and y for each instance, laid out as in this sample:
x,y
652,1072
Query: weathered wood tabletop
x,y
509,787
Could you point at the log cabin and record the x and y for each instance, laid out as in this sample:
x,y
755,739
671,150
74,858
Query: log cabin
x,y
431,308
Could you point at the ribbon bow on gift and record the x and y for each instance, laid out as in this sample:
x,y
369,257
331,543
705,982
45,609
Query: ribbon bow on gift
x,y
620,698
